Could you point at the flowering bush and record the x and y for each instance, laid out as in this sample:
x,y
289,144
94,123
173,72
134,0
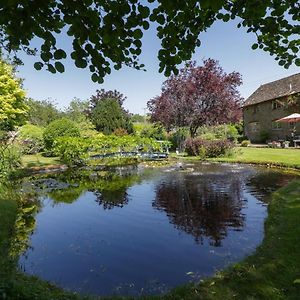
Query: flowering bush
x,y
205,148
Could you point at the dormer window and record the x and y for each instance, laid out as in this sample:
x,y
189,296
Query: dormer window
x,y
276,104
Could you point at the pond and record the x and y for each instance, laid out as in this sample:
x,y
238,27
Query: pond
x,y
138,231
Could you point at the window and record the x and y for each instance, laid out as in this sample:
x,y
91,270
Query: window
x,y
276,125
276,104
254,126
255,109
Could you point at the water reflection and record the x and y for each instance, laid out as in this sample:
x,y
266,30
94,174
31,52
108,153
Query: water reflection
x,y
203,208
135,232
109,187
265,182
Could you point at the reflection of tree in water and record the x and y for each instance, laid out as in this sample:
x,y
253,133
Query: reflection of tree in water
x,y
110,198
28,207
263,184
202,208
112,191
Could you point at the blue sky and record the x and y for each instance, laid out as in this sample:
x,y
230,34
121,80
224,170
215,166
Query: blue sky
x,y
223,42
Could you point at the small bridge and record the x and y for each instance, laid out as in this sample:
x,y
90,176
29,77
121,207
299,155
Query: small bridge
x,y
145,155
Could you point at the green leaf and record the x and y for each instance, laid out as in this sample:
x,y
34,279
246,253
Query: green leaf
x,y
254,46
46,56
38,65
59,67
146,25
138,34
94,77
81,63
297,281
59,54
297,62
51,69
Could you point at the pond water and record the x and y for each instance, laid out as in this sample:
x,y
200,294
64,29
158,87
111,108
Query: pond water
x,y
135,231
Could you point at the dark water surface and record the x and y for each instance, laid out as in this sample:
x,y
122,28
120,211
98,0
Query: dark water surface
x,y
139,232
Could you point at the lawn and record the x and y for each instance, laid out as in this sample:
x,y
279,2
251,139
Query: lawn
x,y
276,157
37,160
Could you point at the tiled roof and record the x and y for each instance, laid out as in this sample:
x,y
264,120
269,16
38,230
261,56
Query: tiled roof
x,y
276,89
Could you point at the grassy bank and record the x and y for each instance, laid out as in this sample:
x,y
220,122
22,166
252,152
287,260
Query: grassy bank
x,y
37,161
271,273
277,157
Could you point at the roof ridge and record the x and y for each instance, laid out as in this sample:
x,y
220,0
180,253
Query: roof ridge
x,y
284,78
275,89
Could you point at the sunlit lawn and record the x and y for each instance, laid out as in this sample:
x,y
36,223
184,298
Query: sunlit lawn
x,y
284,157
37,160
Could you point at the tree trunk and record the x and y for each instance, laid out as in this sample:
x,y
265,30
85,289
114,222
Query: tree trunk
x,y
193,131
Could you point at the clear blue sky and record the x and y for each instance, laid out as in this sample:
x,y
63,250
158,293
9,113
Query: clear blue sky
x,y
223,41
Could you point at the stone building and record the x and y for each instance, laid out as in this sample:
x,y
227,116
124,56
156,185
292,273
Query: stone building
x,y
270,102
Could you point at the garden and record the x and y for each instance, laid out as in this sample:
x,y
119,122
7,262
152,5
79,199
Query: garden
x,y
115,199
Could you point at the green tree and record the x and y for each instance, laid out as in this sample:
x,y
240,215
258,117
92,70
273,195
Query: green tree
x,y
108,34
136,118
57,129
31,138
108,115
12,98
43,112
77,110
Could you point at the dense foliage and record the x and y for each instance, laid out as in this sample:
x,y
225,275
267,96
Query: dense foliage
x,y
12,98
178,137
10,159
197,96
77,110
205,148
150,130
224,131
107,113
72,150
76,150
59,128
43,112
31,139
108,34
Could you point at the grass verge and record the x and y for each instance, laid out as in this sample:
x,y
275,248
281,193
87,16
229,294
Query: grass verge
x,y
37,161
276,157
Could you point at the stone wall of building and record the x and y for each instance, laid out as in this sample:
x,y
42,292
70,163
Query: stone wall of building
x,y
259,124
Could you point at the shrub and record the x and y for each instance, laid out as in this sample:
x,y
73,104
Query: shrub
x,y
31,139
205,148
178,137
10,159
264,136
219,132
245,143
59,128
153,131
120,132
72,150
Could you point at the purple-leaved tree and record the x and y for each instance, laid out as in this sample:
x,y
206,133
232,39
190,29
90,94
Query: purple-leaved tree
x,y
198,95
